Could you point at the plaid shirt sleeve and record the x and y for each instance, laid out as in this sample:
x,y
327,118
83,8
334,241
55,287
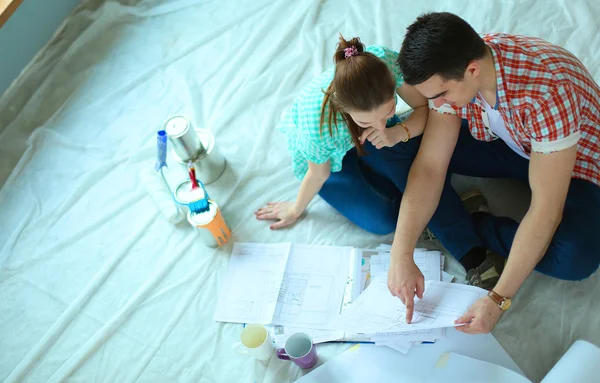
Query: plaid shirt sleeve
x,y
554,121
444,109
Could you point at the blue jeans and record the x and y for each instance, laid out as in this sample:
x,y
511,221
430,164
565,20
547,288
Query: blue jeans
x,y
362,193
364,196
574,252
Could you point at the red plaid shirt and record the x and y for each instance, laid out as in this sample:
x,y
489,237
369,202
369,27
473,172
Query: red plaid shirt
x,y
547,99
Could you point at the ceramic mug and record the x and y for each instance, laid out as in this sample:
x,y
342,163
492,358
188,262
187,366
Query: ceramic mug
x,y
300,349
255,341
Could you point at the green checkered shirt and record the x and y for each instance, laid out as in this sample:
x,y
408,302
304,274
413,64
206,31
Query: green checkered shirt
x,y
300,123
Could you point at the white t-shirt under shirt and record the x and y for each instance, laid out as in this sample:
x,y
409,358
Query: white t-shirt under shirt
x,y
492,119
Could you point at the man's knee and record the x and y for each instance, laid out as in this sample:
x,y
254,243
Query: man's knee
x,y
572,259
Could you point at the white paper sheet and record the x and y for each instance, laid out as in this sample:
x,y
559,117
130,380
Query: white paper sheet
x,y
442,263
447,277
364,363
456,368
361,271
428,335
376,310
450,299
427,261
281,333
365,255
242,299
581,363
313,286
401,347
369,363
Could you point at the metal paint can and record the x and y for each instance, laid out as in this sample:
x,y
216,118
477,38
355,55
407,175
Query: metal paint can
x,y
186,143
211,225
196,145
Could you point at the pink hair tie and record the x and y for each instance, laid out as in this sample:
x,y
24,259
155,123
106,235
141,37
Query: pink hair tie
x,y
351,51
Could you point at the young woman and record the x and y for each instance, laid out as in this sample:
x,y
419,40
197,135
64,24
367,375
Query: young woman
x,y
334,130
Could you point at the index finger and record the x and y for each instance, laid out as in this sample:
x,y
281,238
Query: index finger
x,y
365,134
410,306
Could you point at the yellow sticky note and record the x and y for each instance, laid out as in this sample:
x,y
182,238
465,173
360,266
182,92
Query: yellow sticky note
x,y
354,348
442,361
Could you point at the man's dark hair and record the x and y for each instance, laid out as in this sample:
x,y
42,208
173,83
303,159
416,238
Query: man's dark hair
x,y
438,43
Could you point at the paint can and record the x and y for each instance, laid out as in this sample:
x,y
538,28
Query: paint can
x,y
196,145
211,225
186,143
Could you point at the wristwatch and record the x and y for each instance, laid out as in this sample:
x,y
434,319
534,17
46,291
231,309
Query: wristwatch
x,y
502,302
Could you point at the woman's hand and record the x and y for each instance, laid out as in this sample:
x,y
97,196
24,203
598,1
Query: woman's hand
x,y
381,138
284,213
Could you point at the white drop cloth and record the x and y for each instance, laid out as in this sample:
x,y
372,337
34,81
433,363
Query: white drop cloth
x,y
96,286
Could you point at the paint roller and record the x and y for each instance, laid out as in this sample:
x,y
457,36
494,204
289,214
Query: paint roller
x,y
156,184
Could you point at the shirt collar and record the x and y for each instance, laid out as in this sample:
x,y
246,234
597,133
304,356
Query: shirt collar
x,y
501,101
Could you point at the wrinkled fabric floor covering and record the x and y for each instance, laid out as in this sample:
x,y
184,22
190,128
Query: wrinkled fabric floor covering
x,y
96,286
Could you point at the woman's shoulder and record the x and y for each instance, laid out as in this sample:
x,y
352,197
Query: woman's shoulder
x,y
381,51
306,107
390,57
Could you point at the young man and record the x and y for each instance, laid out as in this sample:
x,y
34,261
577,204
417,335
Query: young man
x,y
500,106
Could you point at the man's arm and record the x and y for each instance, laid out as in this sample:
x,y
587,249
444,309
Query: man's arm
x,y
425,181
419,201
549,178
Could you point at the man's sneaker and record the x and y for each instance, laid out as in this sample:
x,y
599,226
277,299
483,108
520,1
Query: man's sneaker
x,y
475,202
488,273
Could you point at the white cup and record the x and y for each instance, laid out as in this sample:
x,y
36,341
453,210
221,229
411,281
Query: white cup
x,y
255,341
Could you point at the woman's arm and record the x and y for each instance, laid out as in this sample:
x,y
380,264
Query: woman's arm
x,y
314,179
418,118
287,213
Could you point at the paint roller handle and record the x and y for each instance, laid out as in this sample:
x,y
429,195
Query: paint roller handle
x,y
161,150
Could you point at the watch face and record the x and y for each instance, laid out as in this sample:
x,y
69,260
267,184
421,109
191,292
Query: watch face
x,y
505,305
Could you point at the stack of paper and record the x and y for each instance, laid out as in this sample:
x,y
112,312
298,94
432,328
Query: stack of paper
x,y
431,265
337,293
429,262
377,312
373,266
381,317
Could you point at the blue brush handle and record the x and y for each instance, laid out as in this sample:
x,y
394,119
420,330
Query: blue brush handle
x,y
161,146
206,197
